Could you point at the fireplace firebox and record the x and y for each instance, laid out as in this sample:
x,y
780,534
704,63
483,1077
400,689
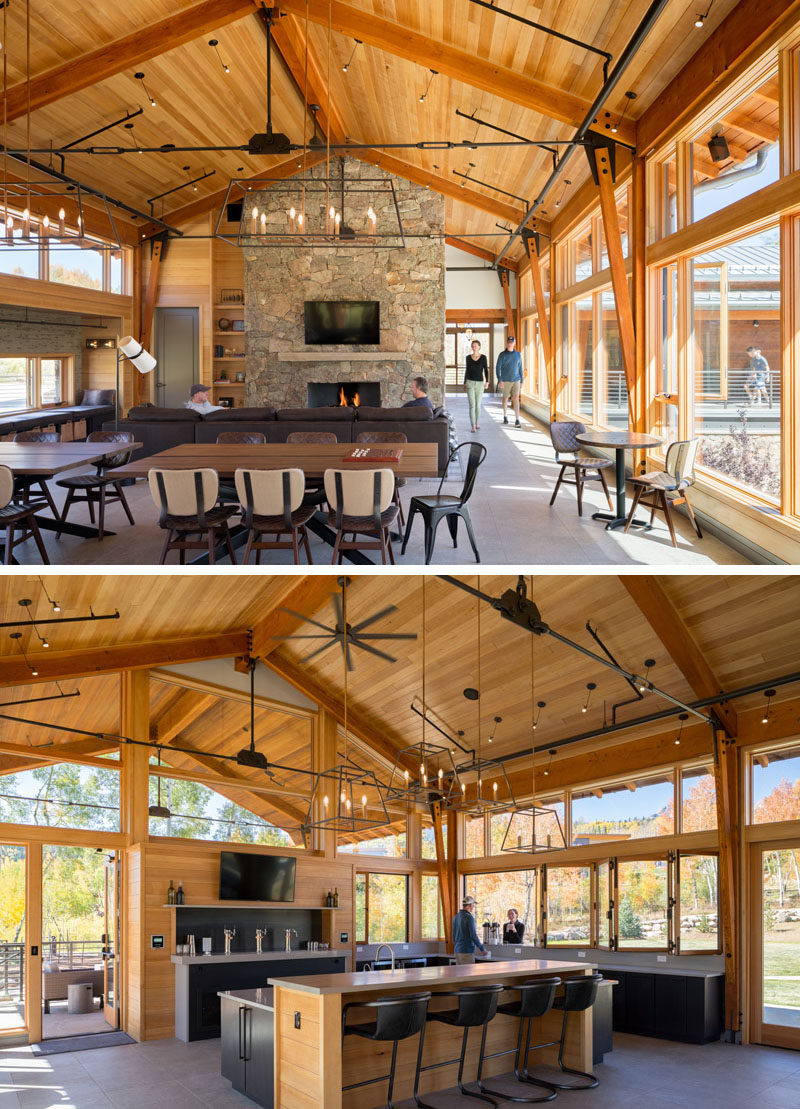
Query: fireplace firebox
x,y
332,394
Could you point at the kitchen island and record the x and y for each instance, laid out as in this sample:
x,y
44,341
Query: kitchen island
x,y
312,1064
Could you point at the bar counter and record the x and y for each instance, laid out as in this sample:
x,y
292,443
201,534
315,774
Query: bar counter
x,y
312,1064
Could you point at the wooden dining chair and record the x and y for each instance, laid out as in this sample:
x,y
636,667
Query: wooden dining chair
x,y
668,487
315,492
187,503
361,504
388,437
24,483
584,467
272,504
13,514
102,486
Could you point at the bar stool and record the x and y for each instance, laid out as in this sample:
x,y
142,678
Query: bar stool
x,y
536,999
477,1005
579,994
396,1018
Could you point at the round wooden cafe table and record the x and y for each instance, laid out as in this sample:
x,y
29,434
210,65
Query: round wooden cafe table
x,y
619,441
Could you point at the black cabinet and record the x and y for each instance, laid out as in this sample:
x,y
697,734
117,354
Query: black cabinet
x,y
672,1006
248,1050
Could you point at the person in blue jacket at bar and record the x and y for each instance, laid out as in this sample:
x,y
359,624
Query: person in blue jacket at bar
x,y
465,934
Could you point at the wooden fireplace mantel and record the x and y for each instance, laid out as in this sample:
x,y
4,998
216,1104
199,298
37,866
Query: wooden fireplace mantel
x,y
342,356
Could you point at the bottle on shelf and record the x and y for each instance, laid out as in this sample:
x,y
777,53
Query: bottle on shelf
x,y
336,897
171,893
179,894
329,900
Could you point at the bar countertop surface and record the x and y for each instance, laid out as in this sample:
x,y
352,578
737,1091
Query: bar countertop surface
x,y
258,956
256,999
455,976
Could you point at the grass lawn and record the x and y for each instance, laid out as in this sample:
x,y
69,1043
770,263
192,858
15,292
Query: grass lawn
x,y
782,973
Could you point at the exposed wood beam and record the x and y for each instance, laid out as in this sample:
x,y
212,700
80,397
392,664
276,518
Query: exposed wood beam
x,y
652,601
442,861
188,707
544,322
460,65
619,278
127,52
16,757
473,315
507,301
58,665
479,251
758,128
149,305
306,594
170,769
726,778
740,39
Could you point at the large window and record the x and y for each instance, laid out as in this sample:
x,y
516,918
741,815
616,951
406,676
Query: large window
x,y
698,903
737,361
381,908
197,812
474,837
583,377
429,840
642,903
510,889
30,382
100,266
569,906
698,800
624,810
392,846
432,921
62,795
775,785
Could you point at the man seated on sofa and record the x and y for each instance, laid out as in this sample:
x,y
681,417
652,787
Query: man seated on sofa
x,y
419,391
199,402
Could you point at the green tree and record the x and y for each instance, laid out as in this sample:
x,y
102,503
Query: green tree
x,y
630,925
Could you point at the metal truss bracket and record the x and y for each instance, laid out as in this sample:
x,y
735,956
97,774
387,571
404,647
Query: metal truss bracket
x,y
594,141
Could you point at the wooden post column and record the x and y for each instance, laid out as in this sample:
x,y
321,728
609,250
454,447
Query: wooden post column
x,y
531,241
33,938
443,866
323,757
637,224
503,274
726,778
134,778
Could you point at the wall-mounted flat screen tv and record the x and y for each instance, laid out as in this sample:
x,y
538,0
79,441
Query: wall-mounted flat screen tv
x,y
246,877
343,321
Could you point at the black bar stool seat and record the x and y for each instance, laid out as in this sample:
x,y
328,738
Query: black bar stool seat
x,y
536,998
396,1019
477,1006
579,994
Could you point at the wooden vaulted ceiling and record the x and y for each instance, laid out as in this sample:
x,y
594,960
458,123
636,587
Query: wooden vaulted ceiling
x,y
540,89
707,634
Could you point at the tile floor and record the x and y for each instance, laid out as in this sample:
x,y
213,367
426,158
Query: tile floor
x,y
640,1073
512,521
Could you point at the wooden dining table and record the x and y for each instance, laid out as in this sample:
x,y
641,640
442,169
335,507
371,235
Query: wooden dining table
x,y
619,442
416,460
45,460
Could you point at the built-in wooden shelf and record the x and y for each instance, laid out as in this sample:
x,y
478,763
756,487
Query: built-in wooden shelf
x,y
341,355
252,905
229,358
241,305
233,384
230,332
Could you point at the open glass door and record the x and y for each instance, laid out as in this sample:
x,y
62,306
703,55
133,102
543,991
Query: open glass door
x,y
776,952
12,939
111,940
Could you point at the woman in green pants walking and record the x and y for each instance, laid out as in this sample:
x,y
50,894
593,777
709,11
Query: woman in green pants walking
x,y
476,379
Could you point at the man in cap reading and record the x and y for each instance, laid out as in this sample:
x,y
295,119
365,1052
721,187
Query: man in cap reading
x,y
465,934
199,402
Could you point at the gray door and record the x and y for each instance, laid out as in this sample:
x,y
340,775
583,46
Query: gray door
x,y
176,346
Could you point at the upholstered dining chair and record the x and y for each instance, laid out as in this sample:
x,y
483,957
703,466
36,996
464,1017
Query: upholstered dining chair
x,y
584,467
388,437
102,486
361,503
24,484
272,504
227,490
669,486
187,503
315,493
13,514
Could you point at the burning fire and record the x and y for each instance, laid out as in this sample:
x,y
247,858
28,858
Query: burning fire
x,y
343,402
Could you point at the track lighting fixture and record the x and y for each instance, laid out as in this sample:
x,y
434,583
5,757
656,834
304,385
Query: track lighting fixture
x,y
349,62
551,752
631,97
17,636
26,605
214,43
140,77
434,73
590,687
134,143
769,694
700,18
567,183
643,684
497,720
539,706
683,717
56,607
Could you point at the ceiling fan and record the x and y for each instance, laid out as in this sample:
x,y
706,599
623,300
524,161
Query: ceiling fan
x,y
357,636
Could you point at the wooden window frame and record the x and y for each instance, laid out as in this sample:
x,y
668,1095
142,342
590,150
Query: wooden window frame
x,y
678,912
385,873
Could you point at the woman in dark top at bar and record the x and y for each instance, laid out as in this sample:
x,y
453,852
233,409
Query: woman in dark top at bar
x,y
476,379
513,929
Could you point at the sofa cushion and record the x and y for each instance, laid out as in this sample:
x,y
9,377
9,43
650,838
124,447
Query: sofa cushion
x,y
96,396
342,414
417,413
237,415
163,415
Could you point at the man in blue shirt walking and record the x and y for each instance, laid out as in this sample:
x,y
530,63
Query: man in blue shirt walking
x,y
509,374
465,935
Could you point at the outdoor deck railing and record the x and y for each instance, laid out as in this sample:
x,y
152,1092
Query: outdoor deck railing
x,y
12,971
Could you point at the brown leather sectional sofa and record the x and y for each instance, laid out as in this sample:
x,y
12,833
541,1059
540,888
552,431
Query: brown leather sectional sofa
x,y
160,428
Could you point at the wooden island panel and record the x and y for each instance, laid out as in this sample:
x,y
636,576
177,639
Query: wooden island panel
x,y
312,1064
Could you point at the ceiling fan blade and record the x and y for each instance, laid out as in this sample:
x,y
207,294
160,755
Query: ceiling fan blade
x,y
304,619
384,635
348,659
338,607
375,617
373,650
328,635
319,650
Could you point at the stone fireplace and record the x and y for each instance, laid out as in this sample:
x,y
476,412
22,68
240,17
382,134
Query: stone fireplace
x,y
408,283
329,394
